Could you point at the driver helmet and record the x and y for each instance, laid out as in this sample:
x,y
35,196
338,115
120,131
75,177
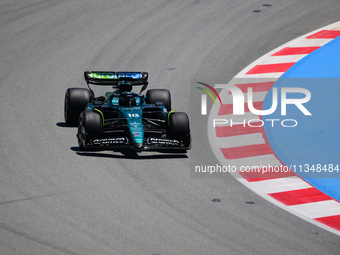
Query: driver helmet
x,y
124,86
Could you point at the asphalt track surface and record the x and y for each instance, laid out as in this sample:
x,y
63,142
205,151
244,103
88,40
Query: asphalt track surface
x,y
55,199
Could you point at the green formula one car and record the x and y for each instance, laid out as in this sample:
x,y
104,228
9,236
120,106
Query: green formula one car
x,y
123,119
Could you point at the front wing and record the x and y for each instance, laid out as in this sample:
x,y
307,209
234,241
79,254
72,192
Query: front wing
x,y
121,143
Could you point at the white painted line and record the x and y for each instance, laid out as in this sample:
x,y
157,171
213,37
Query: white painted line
x,y
319,209
262,75
311,43
258,161
282,59
240,140
281,185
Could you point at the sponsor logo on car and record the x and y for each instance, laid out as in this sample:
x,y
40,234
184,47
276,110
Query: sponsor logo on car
x,y
164,141
112,75
118,140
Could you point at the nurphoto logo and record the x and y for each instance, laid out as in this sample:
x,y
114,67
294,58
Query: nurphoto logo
x,y
239,104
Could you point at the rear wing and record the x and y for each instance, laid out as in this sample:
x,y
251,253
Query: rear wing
x,y
112,78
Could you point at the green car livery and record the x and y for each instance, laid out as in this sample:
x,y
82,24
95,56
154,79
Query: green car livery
x,y
123,119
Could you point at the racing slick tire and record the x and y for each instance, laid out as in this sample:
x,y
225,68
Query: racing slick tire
x,y
75,101
179,128
90,127
156,95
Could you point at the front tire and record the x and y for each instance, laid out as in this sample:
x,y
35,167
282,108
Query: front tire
x,y
75,101
89,128
179,128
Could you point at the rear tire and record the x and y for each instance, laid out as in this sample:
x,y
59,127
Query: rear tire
x,y
90,127
75,101
179,128
154,95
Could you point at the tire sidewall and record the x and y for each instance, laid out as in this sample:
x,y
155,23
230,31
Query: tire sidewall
x,y
154,95
89,128
179,128
76,100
